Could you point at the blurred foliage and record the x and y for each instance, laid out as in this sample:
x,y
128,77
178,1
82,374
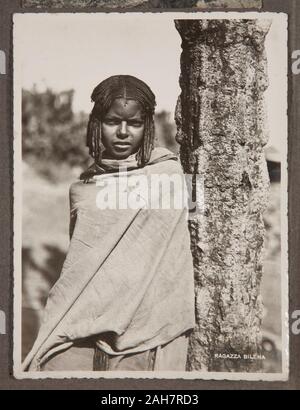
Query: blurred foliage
x,y
52,133
165,130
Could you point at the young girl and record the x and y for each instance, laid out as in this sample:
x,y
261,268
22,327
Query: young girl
x,y
125,297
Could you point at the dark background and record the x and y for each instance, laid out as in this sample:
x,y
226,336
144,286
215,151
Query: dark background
x,y
6,238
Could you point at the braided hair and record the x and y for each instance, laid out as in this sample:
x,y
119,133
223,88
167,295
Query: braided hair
x,y
130,88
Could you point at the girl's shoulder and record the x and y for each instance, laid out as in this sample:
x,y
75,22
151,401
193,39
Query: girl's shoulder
x,y
160,153
164,161
80,189
76,185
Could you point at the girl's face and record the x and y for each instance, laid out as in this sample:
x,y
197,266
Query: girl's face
x,y
122,129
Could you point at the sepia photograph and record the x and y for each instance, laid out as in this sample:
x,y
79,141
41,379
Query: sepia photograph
x,y
150,195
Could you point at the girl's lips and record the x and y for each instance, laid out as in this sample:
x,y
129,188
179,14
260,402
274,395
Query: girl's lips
x,y
122,145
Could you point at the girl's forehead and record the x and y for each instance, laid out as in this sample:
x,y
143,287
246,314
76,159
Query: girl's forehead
x,y
125,108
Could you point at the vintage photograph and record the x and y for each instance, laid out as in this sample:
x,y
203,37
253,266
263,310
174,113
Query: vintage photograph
x,y
150,195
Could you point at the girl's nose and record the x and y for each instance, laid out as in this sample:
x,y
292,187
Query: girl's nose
x,y
123,131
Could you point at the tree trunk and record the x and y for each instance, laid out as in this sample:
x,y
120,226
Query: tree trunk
x,y
221,128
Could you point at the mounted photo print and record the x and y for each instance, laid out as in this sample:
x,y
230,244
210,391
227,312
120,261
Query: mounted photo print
x,y
150,195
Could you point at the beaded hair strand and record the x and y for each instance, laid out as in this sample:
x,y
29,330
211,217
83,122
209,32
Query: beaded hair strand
x,y
94,137
144,153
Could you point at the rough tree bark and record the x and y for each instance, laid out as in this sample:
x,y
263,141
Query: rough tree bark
x,y
221,128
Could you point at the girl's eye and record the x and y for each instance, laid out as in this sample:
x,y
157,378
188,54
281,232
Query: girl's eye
x,y
111,122
135,124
